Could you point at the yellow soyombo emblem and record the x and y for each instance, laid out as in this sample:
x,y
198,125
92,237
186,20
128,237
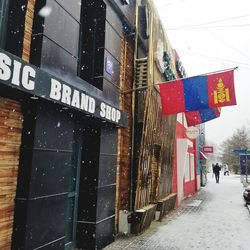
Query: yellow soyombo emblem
x,y
221,94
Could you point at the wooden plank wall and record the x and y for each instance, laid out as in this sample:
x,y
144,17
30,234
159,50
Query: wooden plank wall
x,y
124,137
146,185
154,179
167,159
28,30
10,140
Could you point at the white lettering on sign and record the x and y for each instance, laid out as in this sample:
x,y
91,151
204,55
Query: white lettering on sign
x,y
26,81
110,113
66,94
87,103
21,75
76,99
17,73
72,97
5,62
55,90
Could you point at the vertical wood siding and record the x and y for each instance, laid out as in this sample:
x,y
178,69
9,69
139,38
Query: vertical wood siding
x,y
154,180
10,140
124,139
11,120
156,152
28,30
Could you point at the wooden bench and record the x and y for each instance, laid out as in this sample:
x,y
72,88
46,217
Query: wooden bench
x,y
165,205
141,219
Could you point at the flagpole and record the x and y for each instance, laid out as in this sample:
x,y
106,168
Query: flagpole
x,y
179,79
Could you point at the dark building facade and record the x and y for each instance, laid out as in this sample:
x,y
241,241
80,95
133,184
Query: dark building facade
x,y
59,118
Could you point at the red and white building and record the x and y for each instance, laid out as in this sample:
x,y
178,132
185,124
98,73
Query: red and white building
x,y
186,180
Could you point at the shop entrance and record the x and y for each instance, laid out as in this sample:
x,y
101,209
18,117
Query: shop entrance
x,y
11,120
73,190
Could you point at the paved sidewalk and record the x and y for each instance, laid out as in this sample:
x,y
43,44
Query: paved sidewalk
x,y
215,218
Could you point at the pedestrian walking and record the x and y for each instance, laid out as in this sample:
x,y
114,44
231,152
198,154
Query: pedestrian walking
x,y
217,169
213,165
226,169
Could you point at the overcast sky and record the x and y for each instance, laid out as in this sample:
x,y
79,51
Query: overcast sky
x,y
211,35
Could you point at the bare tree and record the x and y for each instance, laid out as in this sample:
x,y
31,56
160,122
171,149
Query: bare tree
x,y
240,139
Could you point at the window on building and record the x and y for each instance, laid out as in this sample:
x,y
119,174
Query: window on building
x,y
92,42
192,166
187,169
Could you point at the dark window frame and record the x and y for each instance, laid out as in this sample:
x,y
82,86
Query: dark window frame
x,y
4,7
92,42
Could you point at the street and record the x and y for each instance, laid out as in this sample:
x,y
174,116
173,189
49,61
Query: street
x,y
214,218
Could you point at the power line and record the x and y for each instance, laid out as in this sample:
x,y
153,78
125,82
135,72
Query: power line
x,y
217,59
211,22
230,46
166,3
225,19
209,27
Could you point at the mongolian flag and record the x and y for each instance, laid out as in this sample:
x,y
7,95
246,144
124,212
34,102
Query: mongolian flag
x,y
197,93
197,117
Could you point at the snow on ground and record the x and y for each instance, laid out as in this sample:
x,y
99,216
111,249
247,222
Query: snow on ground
x,y
214,218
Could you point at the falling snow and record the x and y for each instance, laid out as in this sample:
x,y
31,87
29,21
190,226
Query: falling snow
x,y
45,11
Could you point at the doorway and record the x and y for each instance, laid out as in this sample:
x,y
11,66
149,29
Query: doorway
x,y
73,190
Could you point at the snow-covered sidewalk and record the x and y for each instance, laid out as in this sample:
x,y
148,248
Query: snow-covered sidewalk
x,y
214,218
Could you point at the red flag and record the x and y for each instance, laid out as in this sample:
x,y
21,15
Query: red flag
x,y
198,93
172,97
193,118
221,89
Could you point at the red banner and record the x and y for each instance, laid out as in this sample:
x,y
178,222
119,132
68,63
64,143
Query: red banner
x,y
208,149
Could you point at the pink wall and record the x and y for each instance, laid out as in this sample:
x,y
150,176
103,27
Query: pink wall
x,y
180,133
190,187
174,178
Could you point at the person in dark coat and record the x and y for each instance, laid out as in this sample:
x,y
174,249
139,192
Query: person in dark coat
x,y
213,165
217,169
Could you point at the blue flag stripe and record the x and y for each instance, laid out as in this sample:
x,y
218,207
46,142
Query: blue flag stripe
x,y
196,93
207,114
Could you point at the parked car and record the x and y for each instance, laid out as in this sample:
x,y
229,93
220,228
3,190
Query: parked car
x,y
246,195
